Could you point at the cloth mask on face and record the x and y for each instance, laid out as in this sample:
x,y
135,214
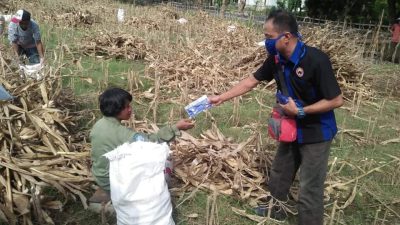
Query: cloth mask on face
x,y
270,44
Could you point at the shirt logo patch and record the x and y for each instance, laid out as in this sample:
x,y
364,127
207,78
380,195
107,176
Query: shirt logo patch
x,y
299,72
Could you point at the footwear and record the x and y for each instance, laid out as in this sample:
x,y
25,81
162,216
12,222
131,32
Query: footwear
x,y
101,202
100,196
277,213
101,207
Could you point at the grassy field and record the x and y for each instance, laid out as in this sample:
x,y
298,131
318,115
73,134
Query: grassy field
x,y
364,126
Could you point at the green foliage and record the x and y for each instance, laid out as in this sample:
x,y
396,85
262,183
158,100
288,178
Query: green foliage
x,y
363,11
290,5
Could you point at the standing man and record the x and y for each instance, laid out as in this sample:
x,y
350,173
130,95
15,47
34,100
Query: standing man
x,y
395,31
310,80
24,36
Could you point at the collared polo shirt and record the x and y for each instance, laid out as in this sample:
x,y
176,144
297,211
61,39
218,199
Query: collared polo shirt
x,y
309,78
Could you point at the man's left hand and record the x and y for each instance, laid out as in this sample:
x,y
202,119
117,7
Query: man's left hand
x,y
290,108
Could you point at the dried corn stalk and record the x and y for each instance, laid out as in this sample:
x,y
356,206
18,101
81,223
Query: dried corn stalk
x,y
214,59
39,147
71,17
168,13
117,45
142,22
216,163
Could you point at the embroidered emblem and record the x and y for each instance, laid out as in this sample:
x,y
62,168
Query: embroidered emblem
x,y
299,72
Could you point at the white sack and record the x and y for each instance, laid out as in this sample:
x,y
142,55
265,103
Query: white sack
x,y
139,192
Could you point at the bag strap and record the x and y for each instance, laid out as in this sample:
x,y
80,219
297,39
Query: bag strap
x,y
282,81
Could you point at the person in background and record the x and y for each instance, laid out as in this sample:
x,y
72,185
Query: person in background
x,y
395,31
108,133
24,36
394,45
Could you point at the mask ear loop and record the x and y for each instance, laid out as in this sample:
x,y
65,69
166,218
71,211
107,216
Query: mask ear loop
x,y
299,36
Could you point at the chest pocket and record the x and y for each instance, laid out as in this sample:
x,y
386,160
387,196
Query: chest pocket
x,y
301,81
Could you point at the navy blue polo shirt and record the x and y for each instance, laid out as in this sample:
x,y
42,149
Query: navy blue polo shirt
x,y
309,78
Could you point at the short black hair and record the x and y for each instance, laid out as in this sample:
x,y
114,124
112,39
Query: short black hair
x,y
283,21
113,101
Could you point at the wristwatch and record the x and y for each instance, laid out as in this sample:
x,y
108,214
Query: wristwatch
x,y
300,112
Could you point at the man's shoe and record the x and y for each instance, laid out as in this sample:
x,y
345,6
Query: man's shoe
x,y
276,213
101,202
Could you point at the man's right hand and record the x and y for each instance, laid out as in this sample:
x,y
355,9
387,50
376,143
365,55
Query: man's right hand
x,y
241,88
215,100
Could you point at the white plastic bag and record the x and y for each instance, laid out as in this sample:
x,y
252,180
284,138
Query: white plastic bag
x,y
7,18
121,15
182,21
139,192
32,71
231,29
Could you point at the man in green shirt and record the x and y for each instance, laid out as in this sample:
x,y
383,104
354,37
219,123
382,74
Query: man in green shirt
x,y
108,133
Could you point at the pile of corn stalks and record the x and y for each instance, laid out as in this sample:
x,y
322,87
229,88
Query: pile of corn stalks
x,y
7,6
142,22
40,147
74,18
345,53
216,163
168,13
204,64
114,45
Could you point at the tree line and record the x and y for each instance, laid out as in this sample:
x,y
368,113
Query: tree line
x,y
356,11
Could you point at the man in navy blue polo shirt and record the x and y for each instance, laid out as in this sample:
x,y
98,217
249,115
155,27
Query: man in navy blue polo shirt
x,y
310,81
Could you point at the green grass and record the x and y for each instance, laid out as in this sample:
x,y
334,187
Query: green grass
x,y
198,205
103,74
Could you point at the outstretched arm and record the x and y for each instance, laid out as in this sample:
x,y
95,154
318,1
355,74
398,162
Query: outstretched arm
x,y
241,88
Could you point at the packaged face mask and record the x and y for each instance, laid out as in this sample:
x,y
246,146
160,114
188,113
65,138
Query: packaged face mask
x,y
198,106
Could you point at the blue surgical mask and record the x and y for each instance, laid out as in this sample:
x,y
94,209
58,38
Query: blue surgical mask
x,y
270,44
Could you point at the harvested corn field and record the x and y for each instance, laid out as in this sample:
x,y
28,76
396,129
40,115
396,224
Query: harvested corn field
x,y
166,63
